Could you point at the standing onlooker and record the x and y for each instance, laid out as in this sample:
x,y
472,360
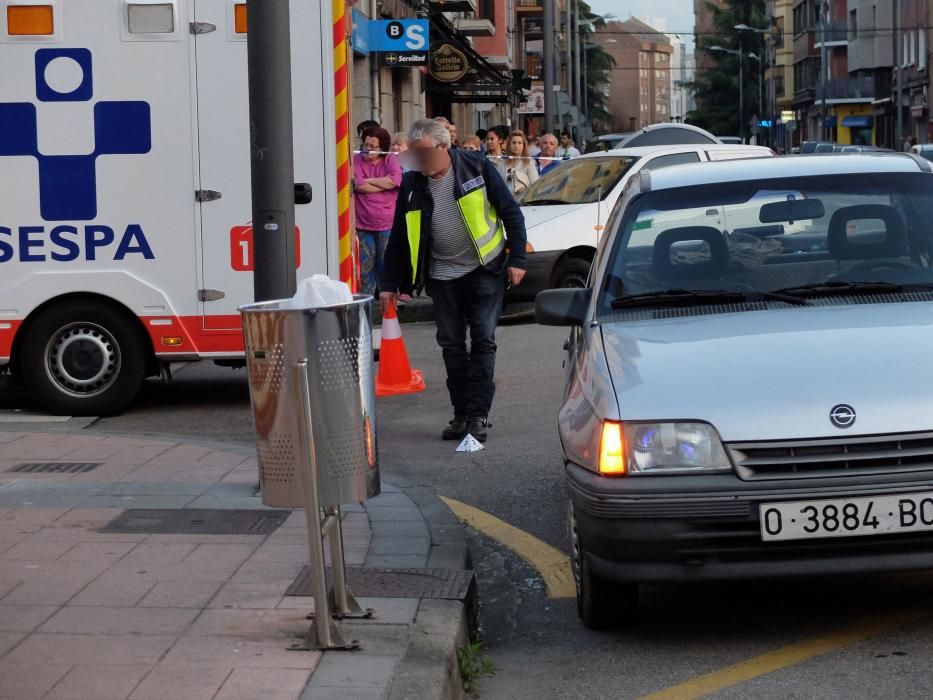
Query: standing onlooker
x,y
496,139
365,126
376,179
451,129
481,135
548,144
533,148
472,143
567,148
399,145
458,232
520,168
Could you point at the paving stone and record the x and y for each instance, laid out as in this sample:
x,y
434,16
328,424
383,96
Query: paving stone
x,y
389,513
25,679
395,528
392,610
103,620
35,551
8,640
98,682
120,650
246,623
358,670
197,651
248,595
191,683
116,589
400,545
344,693
265,683
397,561
24,618
180,594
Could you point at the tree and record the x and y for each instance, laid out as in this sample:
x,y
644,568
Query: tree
x,y
599,65
717,87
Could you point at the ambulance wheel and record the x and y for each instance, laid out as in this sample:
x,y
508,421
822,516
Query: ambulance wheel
x,y
83,358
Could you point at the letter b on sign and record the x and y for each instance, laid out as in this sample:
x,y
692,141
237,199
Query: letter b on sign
x,y
395,30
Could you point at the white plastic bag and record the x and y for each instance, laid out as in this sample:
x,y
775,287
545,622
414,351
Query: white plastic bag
x,y
320,290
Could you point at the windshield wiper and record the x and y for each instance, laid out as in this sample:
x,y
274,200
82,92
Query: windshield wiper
x,y
533,202
699,297
840,287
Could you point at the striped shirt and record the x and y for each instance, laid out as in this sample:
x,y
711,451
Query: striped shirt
x,y
453,253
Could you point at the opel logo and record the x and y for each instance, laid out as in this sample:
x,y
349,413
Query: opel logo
x,y
842,416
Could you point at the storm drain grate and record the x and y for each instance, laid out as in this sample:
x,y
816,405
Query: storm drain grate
x,y
190,521
443,584
55,467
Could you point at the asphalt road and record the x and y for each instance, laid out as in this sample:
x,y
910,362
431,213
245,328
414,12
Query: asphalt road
x,y
538,645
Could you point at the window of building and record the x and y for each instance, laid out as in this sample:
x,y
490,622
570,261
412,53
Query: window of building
x,y
853,25
778,25
921,49
779,86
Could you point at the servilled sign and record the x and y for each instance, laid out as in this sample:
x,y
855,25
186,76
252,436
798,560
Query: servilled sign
x,y
402,42
448,64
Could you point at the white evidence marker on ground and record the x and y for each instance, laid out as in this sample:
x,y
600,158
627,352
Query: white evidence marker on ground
x,y
470,444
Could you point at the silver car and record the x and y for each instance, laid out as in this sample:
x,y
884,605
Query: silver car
x,y
754,400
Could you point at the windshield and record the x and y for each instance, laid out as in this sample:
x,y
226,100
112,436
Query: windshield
x,y
800,238
579,181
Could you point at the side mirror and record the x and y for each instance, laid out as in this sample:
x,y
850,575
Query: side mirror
x,y
562,307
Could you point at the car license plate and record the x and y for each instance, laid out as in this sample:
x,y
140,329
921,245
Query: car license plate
x,y
846,517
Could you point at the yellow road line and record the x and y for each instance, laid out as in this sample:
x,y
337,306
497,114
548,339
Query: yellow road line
x,y
551,563
788,655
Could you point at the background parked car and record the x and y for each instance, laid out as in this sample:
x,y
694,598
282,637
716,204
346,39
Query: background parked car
x,y
566,209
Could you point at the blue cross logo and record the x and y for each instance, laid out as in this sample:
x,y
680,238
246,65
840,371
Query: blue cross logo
x,y
68,184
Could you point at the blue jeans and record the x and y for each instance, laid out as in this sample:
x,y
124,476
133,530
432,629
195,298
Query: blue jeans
x,y
372,254
473,301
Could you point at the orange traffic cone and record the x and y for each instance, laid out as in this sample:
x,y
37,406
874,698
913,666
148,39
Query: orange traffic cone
x,y
395,373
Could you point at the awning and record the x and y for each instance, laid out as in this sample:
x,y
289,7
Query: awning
x,y
483,82
857,122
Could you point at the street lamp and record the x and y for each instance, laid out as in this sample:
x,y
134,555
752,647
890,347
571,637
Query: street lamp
x,y
761,104
723,49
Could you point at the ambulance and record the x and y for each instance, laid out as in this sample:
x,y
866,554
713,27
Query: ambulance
x,y
125,237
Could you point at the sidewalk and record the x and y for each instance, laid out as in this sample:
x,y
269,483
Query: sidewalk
x,y
139,613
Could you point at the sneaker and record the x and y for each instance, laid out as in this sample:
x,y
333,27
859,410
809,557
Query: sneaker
x,y
477,428
456,429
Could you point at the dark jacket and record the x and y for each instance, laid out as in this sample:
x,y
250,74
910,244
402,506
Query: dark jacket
x,y
414,194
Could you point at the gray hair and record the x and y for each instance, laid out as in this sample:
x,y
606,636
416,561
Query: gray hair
x,y
442,120
424,128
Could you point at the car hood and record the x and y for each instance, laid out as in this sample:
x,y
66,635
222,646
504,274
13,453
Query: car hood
x,y
777,374
535,216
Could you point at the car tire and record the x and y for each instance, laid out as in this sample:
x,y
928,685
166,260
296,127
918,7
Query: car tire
x,y
601,604
84,358
571,273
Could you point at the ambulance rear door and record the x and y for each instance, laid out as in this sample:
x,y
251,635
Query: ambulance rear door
x,y
224,154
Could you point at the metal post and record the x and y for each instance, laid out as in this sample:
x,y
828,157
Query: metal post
x,y
741,95
342,601
578,90
898,77
568,58
824,69
323,632
550,108
269,60
374,86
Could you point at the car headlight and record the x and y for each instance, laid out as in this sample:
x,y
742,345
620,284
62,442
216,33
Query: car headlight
x,y
663,448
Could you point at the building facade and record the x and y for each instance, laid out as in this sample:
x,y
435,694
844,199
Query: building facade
x,y
640,84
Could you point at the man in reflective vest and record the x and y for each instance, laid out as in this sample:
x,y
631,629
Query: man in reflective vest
x,y
459,234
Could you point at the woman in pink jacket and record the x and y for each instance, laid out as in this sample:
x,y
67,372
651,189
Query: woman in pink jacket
x,y
376,180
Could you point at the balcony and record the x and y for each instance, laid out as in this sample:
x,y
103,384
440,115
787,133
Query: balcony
x,y
475,27
835,33
454,5
529,5
847,90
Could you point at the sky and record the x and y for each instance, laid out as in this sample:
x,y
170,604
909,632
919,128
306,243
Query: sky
x,y
677,14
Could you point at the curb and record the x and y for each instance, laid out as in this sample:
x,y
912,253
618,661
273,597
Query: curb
x,y
430,668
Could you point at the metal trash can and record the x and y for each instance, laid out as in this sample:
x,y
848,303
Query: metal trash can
x,y
337,343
